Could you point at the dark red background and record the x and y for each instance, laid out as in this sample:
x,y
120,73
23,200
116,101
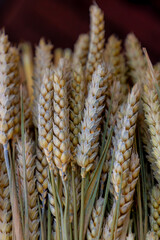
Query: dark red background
x,y
62,21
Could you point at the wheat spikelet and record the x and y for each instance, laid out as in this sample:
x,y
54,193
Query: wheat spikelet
x,y
51,200
81,49
58,54
41,174
76,107
27,109
93,228
87,150
31,185
125,142
113,55
155,211
45,117
125,200
135,59
8,88
151,236
5,205
97,40
61,137
43,60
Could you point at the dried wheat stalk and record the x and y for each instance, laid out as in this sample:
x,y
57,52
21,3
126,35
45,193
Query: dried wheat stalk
x,y
135,59
125,142
115,58
76,107
81,48
87,149
126,200
9,123
45,116
96,45
43,60
5,204
61,138
31,184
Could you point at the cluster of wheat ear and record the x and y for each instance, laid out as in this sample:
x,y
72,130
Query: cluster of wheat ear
x,y
80,154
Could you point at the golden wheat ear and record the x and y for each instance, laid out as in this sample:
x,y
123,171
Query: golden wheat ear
x,y
5,204
87,149
9,90
43,60
81,48
61,137
114,56
135,59
97,39
33,221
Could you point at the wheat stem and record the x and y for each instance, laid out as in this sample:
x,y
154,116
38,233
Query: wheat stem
x,y
74,206
56,205
82,209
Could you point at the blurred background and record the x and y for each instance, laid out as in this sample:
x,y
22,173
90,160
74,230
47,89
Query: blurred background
x,y
61,21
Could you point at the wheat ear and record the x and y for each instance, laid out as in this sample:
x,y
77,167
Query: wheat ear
x,y
45,117
8,89
93,228
58,54
113,55
87,149
42,61
5,204
76,107
97,40
126,200
27,109
41,174
155,211
81,48
61,138
33,222
135,59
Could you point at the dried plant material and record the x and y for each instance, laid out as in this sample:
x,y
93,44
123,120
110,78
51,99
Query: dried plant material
x,y
41,174
151,236
155,211
45,117
152,115
67,54
81,48
87,150
126,200
94,222
58,54
5,204
61,137
43,60
114,57
125,142
31,185
135,59
76,107
131,236
96,45
9,123
27,109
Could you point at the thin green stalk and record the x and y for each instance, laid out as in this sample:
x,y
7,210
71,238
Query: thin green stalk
x,y
49,223
82,210
74,206
66,210
56,206
105,199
